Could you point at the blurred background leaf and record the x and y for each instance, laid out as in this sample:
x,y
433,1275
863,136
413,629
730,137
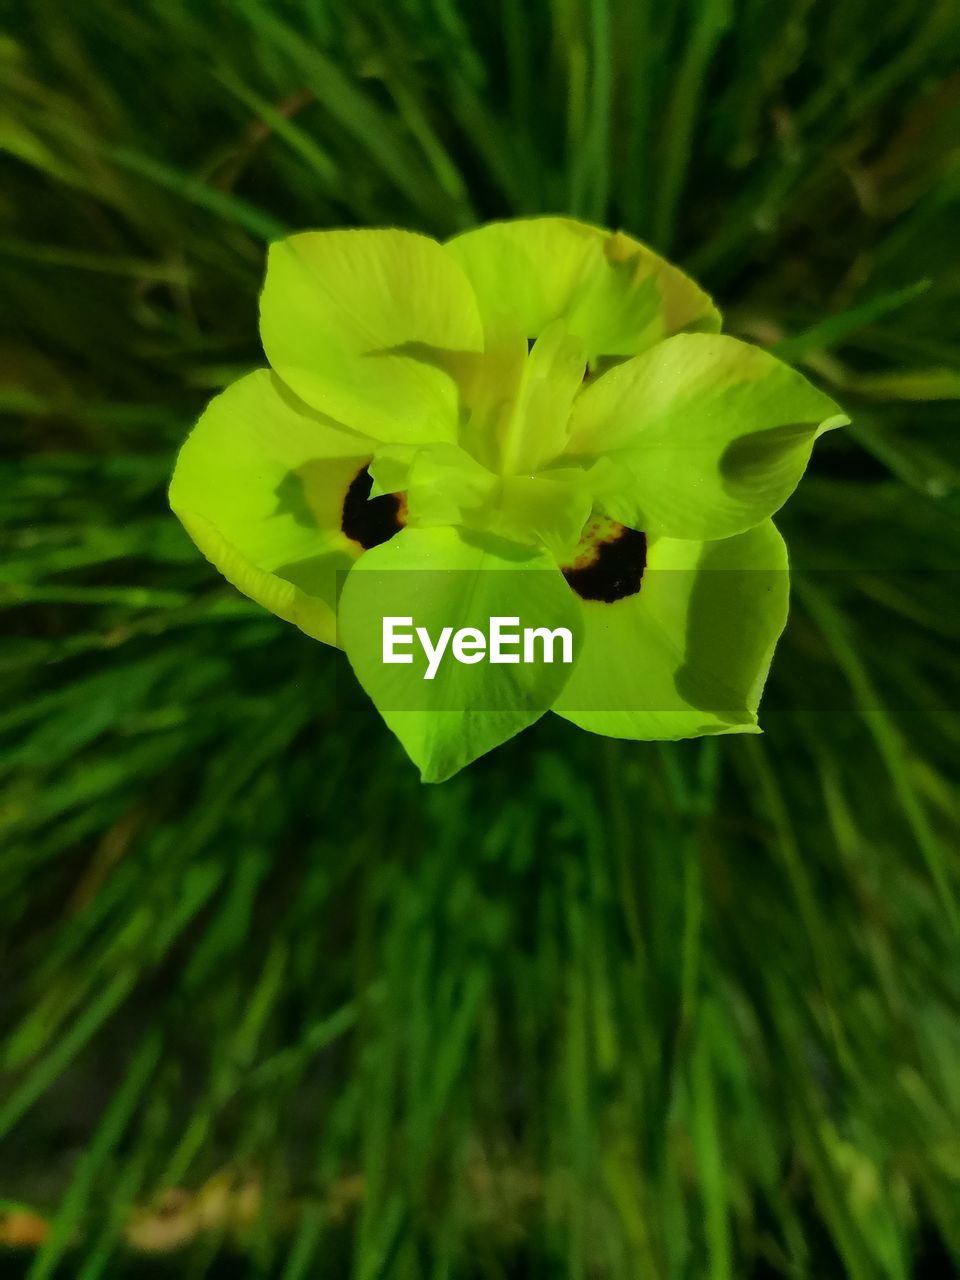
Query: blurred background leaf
x,y
592,1009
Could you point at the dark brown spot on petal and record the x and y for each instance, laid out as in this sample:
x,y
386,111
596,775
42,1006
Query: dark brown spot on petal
x,y
610,562
371,521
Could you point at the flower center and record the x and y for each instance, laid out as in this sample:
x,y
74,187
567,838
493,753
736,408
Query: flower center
x,y
371,521
609,563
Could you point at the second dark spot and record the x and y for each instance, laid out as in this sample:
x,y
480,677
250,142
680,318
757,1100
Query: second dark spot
x,y
611,567
367,520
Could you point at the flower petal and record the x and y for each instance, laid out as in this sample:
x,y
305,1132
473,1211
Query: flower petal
x,y
701,437
535,430
549,509
688,653
260,486
438,578
357,323
611,291
445,485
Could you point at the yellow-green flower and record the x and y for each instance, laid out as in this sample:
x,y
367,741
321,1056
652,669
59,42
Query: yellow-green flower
x,y
537,419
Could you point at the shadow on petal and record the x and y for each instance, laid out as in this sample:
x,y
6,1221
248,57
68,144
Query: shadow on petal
x,y
320,576
749,464
736,613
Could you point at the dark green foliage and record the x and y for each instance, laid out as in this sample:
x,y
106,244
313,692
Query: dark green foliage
x,y
591,1009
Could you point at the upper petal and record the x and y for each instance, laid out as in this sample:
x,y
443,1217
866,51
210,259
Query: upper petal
x,y
611,291
260,486
357,323
701,437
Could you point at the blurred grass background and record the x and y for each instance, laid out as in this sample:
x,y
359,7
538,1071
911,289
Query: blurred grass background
x,y
268,1007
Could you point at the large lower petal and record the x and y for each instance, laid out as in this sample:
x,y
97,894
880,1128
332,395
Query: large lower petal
x,y
688,653
361,323
701,437
440,578
260,486
612,292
